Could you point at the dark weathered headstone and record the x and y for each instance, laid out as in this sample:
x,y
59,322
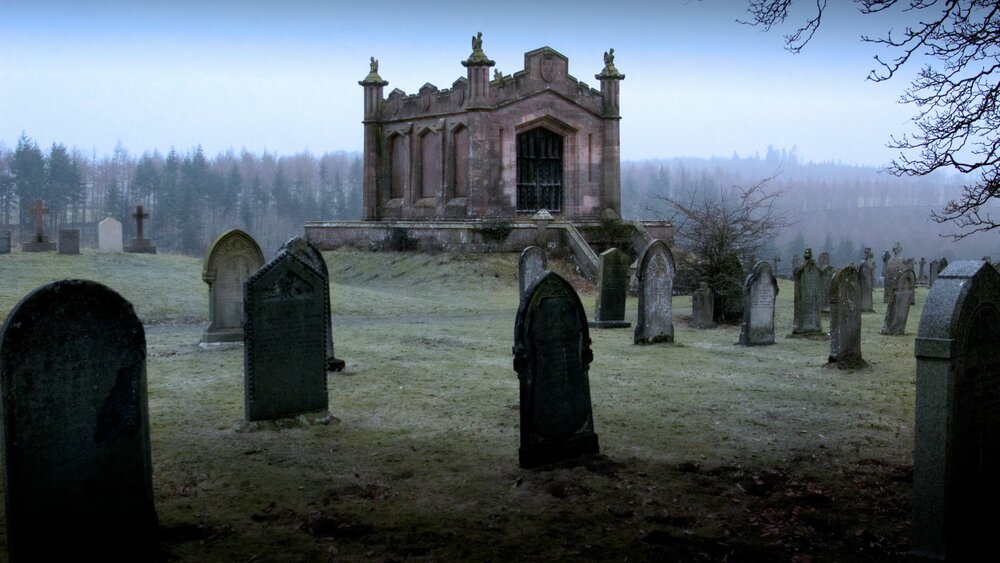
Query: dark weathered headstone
x,y
39,242
140,244
808,298
77,469
824,259
885,268
307,251
761,290
655,277
552,356
4,242
796,263
826,272
845,318
284,333
230,261
69,241
702,304
932,272
957,432
867,301
612,287
894,268
530,267
923,264
899,306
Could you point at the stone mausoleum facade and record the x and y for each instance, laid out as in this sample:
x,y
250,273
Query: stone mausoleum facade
x,y
494,146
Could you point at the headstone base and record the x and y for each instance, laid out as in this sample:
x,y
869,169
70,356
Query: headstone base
x,y
38,247
816,335
541,453
230,335
609,324
849,364
335,364
655,339
140,247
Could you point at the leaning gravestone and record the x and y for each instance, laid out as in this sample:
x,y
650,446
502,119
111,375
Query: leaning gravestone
x,y
808,298
77,468
4,242
827,274
702,307
552,356
284,333
655,277
612,286
69,241
530,267
867,300
761,289
845,318
956,437
899,307
109,236
308,252
229,263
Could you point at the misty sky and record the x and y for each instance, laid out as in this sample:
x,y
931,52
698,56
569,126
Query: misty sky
x,y
282,76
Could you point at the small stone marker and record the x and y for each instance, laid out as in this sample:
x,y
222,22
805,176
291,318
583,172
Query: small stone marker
x,y
39,242
826,272
69,241
76,448
308,252
867,303
899,306
109,236
552,356
140,244
702,306
284,334
824,259
231,259
957,445
655,277
4,242
612,286
808,298
530,267
761,290
845,318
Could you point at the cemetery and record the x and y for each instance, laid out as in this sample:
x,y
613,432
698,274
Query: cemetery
x,y
428,444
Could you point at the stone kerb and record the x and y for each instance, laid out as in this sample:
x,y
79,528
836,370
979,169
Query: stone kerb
x,y
760,290
230,261
655,280
956,443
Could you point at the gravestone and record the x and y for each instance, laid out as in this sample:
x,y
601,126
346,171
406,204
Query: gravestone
x,y
899,306
867,302
655,277
140,244
69,241
230,261
845,318
777,260
808,298
308,252
932,273
530,267
824,259
895,267
885,264
761,289
39,242
702,305
796,263
956,437
77,467
942,264
923,264
109,236
552,356
826,272
284,334
612,286
4,242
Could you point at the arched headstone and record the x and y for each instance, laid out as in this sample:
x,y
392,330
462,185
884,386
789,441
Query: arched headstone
x,y
109,236
76,448
760,291
867,301
530,267
808,298
655,277
552,356
846,291
957,430
308,252
898,310
229,263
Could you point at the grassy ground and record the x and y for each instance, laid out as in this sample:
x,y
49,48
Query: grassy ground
x,y
709,451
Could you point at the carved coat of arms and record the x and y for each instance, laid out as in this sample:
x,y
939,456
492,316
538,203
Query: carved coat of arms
x,y
548,68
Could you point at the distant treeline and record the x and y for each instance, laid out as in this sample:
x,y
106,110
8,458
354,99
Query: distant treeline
x,y
191,198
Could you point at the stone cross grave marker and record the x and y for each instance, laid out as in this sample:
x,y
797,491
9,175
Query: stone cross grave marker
x,y
308,252
284,334
846,292
530,267
230,261
69,241
760,291
552,356
655,277
899,306
76,444
702,307
39,242
109,236
612,286
867,303
140,244
957,429
808,298
4,242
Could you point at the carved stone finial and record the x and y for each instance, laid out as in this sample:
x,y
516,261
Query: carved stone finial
x,y
478,57
477,41
609,72
373,79
374,65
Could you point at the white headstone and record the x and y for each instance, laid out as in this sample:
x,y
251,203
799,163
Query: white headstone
x,y
109,235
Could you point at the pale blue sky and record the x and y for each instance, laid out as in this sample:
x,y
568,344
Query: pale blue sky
x,y
283,75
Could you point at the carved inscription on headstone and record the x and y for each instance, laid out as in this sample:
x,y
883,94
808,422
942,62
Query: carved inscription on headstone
x,y
229,263
655,276
761,290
